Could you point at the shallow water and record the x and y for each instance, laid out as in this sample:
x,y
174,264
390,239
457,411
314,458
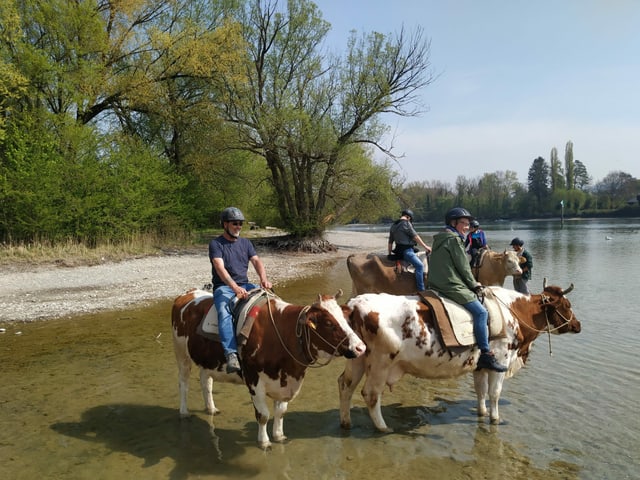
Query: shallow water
x,y
96,397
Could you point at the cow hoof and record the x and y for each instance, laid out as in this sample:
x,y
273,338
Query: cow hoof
x,y
211,412
266,446
481,413
385,430
345,425
281,439
495,421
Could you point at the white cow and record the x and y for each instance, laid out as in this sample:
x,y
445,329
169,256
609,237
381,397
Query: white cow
x,y
401,337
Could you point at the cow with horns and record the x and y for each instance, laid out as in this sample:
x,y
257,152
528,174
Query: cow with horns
x,y
402,337
283,341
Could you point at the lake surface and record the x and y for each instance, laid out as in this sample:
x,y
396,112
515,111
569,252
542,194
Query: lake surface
x,y
96,396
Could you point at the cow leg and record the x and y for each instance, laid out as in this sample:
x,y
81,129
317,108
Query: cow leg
x,y
495,389
481,386
279,409
184,372
347,384
377,378
206,383
262,416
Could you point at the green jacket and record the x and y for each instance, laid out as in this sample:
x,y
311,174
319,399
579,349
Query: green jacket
x,y
449,270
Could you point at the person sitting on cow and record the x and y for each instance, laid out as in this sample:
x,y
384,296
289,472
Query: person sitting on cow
x,y
405,238
450,275
230,255
475,242
526,265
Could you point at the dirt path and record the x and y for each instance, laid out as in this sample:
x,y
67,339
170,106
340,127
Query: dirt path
x,y
52,292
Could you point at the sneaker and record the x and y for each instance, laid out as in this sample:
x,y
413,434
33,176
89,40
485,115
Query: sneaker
x,y
233,364
488,360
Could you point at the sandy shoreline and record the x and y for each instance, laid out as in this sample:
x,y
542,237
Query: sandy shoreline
x,y
40,292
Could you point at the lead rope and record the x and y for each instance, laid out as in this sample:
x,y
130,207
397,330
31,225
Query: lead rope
x,y
548,330
306,341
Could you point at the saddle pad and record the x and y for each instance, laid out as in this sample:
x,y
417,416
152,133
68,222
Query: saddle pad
x,y
456,323
241,312
453,321
209,323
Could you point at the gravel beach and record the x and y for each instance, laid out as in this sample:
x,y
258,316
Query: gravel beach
x,y
41,292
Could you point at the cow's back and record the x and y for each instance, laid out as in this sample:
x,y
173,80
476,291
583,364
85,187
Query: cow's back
x,y
370,273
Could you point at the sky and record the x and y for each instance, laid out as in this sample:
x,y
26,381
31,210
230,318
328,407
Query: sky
x,y
514,79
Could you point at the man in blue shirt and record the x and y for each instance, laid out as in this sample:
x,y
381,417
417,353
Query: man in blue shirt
x,y
230,256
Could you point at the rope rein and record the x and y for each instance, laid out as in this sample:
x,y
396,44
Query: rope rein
x,y
545,301
302,332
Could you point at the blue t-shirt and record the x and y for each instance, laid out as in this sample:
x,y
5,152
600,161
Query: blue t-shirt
x,y
235,256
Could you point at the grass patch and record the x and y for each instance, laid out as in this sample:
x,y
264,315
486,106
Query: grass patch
x,y
75,253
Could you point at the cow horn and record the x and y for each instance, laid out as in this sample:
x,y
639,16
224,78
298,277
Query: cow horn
x,y
564,292
338,293
544,283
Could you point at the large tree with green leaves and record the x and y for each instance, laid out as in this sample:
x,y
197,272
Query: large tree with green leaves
x,y
538,180
569,166
309,115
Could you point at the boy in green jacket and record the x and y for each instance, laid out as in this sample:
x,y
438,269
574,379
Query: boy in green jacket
x,y
450,275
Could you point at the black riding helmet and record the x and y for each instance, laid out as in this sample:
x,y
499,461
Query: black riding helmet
x,y
474,224
516,241
231,214
457,213
408,213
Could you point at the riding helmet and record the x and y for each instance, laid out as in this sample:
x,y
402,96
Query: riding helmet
x,y
231,214
456,213
408,213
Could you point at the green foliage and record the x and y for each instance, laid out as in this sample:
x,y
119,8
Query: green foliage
x,y
56,186
305,112
152,116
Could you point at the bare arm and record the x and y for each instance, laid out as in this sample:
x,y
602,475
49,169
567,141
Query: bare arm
x,y
421,242
261,271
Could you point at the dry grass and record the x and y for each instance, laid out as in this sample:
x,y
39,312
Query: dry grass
x,y
74,253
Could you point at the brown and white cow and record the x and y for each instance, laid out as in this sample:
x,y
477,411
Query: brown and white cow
x,y
494,267
285,339
374,273
401,338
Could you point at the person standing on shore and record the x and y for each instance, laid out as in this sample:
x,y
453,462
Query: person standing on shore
x,y
520,282
450,275
405,238
230,256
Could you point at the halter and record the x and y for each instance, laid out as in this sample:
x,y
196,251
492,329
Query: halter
x,y
302,332
544,300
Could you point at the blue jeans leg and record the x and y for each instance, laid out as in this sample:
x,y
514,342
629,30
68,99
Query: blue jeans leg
x,y
410,256
480,328
222,297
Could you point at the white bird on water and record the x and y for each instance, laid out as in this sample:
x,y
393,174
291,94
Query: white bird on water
x,y
608,238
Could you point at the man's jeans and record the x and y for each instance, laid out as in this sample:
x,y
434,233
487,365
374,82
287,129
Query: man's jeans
x,y
410,256
222,297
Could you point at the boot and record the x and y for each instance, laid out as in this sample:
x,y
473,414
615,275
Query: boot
x,y
488,360
233,365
